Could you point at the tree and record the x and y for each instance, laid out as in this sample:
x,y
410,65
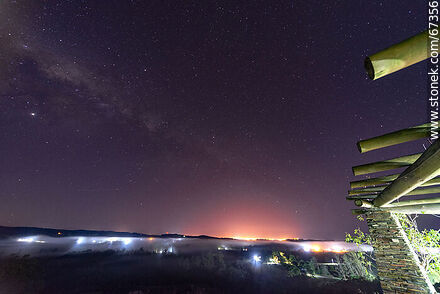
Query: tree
x,y
426,243
360,263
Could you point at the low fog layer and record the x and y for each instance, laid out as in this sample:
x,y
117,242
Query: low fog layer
x,y
44,245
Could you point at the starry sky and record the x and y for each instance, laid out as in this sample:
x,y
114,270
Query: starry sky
x,y
234,118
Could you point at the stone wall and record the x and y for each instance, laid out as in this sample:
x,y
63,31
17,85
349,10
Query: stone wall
x,y
398,266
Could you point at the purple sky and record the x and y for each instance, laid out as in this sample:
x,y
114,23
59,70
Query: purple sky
x,y
235,118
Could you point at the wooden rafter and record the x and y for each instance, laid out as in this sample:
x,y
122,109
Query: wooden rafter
x,y
394,138
425,168
385,165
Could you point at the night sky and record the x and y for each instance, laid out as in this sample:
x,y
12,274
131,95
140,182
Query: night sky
x,y
235,118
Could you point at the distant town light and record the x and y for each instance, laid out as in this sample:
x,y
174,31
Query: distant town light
x,y
316,248
26,240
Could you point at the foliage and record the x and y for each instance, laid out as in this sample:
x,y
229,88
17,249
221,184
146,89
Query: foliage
x,y
347,266
361,265
358,237
426,244
294,266
355,265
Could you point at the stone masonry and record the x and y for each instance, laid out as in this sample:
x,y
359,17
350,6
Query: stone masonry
x,y
398,266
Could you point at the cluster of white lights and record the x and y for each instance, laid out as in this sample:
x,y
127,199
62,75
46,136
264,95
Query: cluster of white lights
x,y
169,250
29,240
125,240
257,258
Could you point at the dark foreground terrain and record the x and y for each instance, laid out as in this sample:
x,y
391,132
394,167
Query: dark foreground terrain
x,y
142,272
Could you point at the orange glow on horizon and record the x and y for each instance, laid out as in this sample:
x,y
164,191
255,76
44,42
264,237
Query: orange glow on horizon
x,y
257,238
244,219
254,235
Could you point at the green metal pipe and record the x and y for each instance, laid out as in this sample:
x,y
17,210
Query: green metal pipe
x,y
398,56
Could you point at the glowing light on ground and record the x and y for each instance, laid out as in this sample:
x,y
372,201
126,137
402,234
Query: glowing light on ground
x,y
316,248
337,249
30,240
27,240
